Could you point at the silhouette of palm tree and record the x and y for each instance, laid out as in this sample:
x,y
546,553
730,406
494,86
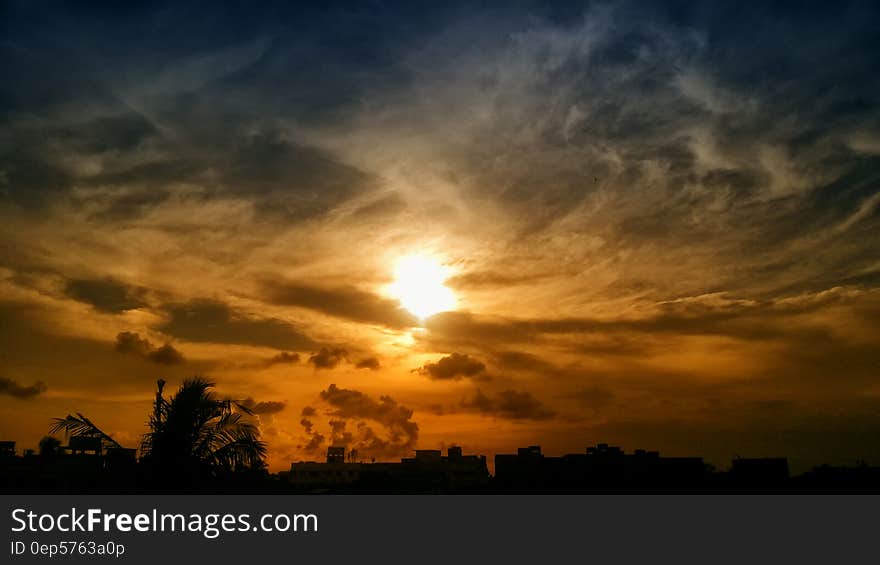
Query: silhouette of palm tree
x,y
193,435
194,432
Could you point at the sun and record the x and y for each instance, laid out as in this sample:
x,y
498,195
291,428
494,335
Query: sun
x,y
419,286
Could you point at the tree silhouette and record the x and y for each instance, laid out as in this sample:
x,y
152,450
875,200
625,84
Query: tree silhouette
x,y
193,436
196,434
49,446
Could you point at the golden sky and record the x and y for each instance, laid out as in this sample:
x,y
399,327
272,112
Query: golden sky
x,y
634,228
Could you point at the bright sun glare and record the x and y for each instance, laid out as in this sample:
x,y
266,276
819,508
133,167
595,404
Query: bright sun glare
x,y
418,285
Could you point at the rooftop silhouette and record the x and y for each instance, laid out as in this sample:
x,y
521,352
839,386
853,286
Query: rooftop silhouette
x,y
85,465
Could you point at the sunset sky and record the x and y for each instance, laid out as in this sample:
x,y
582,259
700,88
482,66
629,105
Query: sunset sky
x,y
399,226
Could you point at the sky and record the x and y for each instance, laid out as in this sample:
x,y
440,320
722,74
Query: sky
x,y
650,224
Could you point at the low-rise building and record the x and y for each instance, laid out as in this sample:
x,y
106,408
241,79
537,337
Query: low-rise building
x,y
600,467
427,471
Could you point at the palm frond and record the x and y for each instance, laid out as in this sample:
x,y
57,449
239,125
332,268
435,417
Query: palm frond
x,y
240,448
79,425
241,407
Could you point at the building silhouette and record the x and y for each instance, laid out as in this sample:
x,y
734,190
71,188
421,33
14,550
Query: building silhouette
x,y
84,465
427,471
7,449
764,472
81,466
601,467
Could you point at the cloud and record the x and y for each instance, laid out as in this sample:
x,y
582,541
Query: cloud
x,y
509,404
307,425
133,343
370,363
708,314
342,302
290,181
314,439
166,355
519,360
454,367
106,295
264,407
401,433
285,357
213,321
328,358
12,388
339,435
472,280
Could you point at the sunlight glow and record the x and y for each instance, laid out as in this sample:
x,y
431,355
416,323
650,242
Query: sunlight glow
x,y
418,285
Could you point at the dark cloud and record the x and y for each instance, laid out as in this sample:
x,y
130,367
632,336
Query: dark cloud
x,y
343,302
166,355
307,425
328,358
130,203
50,148
521,361
117,132
292,181
370,363
509,404
132,342
265,407
285,357
28,179
352,405
215,322
315,442
453,367
12,388
282,178
472,280
315,439
339,435
106,295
